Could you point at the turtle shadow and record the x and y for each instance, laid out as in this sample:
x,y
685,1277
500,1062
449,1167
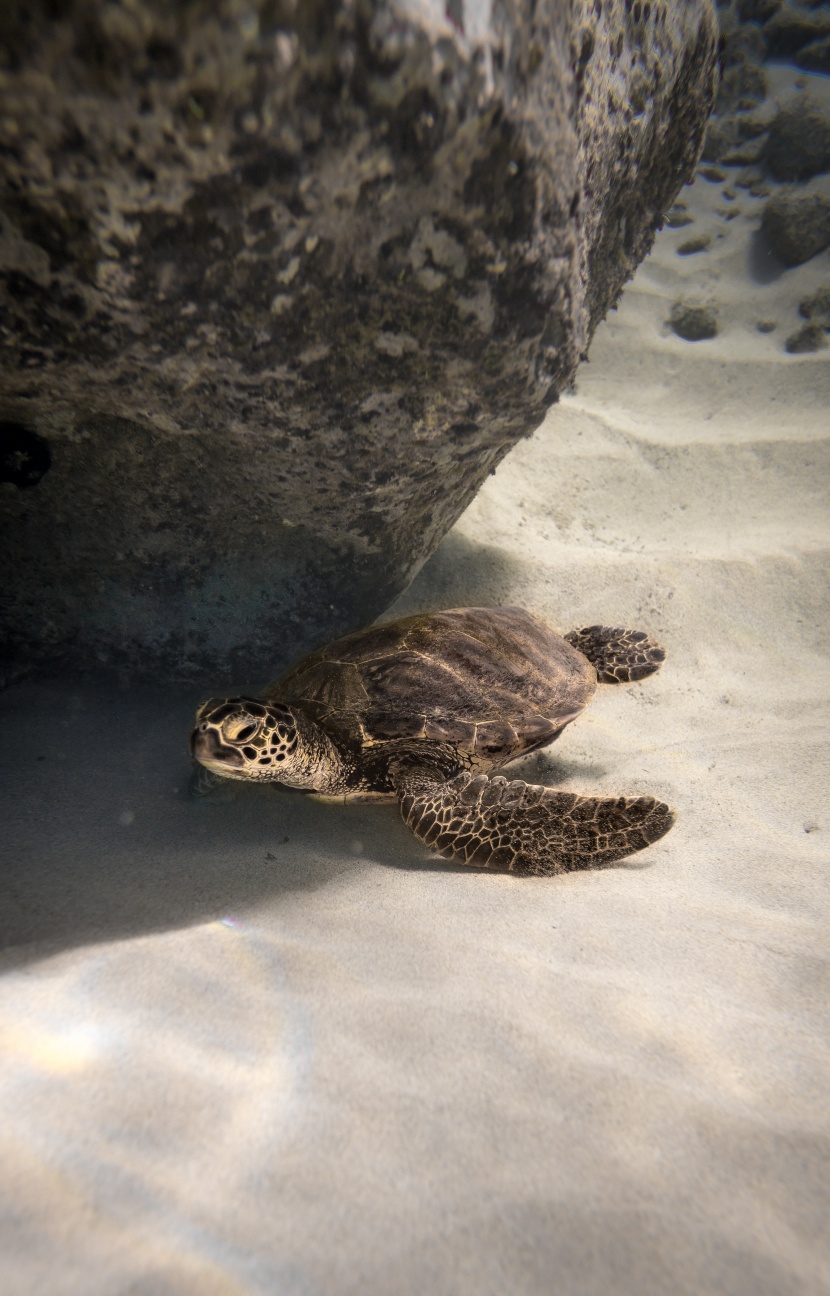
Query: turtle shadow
x,y
552,769
431,864
103,842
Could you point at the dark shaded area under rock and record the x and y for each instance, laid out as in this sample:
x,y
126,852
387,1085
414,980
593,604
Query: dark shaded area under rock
x,y
25,457
281,285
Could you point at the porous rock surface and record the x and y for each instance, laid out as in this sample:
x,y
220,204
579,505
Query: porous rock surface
x,y
281,283
798,143
791,141
694,321
810,337
817,307
796,226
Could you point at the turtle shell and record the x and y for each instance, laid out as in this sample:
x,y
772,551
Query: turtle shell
x,y
494,682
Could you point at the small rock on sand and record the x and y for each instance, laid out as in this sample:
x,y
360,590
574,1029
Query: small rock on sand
x,y
677,216
810,337
694,321
699,243
817,308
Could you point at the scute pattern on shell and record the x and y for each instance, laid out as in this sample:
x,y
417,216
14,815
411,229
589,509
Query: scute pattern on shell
x,y
495,682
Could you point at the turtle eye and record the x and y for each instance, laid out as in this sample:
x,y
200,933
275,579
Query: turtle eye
x,y
238,729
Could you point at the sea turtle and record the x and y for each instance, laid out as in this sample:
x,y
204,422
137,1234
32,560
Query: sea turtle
x,y
423,711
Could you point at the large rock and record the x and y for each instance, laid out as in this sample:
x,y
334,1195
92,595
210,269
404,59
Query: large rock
x,y
814,57
792,27
798,144
796,226
282,283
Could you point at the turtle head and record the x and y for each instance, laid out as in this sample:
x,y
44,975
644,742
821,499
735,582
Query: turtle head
x,y
246,738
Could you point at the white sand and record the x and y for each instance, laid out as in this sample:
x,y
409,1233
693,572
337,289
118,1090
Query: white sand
x,y
264,1046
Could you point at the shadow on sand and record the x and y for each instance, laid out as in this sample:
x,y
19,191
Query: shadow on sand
x,y
102,840
763,265
459,574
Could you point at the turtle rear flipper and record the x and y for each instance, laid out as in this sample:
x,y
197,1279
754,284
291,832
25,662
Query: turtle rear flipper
x,y
619,655
525,828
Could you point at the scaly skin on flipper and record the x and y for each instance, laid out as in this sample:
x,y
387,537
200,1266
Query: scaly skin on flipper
x,y
525,828
619,655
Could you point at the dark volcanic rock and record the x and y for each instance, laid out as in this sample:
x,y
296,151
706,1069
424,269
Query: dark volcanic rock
x,y
797,226
743,43
817,307
751,126
714,174
678,216
810,337
798,144
746,154
814,57
694,321
699,243
721,136
757,11
742,87
280,284
792,27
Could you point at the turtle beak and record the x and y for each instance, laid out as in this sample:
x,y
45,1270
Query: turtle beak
x,y
207,748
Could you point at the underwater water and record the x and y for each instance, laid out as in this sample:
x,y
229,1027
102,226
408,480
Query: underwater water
x,y
255,1044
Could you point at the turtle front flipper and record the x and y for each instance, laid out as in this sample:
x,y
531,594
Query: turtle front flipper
x,y
525,828
206,783
619,655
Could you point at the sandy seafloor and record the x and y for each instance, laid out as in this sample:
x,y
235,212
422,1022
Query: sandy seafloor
x,y
260,1045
